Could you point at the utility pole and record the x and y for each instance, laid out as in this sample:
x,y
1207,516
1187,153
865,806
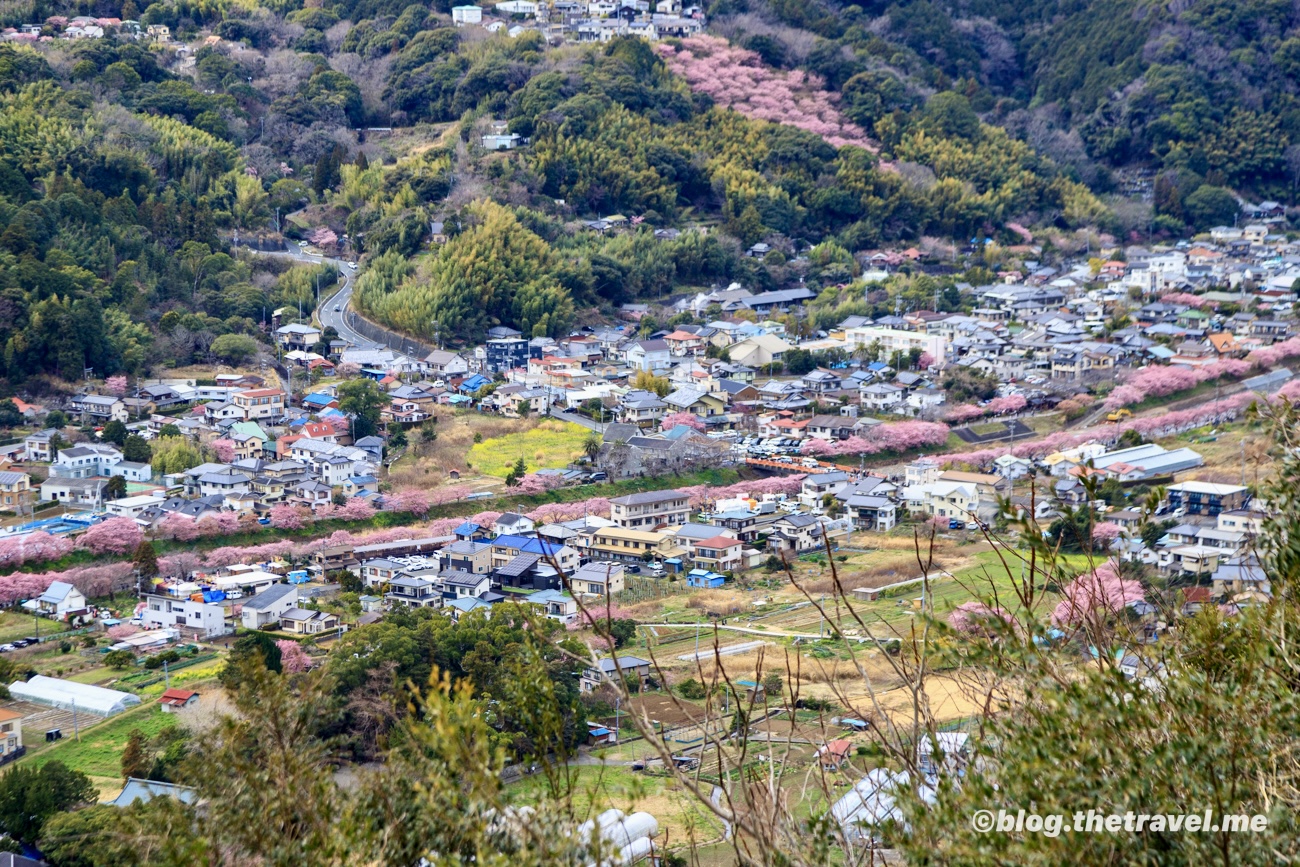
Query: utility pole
x,y
76,729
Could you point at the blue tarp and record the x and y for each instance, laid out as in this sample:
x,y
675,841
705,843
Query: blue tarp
x,y
298,577
214,595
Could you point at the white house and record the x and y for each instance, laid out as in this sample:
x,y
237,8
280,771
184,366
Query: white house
x,y
58,601
648,355
269,606
85,461
462,15
166,612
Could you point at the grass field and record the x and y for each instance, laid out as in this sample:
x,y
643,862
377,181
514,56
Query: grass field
x,y
596,788
98,754
550,444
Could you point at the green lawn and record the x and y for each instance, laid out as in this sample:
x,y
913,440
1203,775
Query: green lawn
x,y
99,752
552,444
986,579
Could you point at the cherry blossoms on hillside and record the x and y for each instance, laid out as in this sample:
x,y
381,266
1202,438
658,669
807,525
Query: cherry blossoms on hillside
x,y
737,79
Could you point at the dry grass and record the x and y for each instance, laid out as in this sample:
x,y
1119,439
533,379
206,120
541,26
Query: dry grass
x,y
426,465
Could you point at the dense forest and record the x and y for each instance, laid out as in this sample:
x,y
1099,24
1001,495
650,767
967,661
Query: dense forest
x,y
128,169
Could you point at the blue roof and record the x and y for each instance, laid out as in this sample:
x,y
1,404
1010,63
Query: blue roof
x,y
469,528
528,544
474,383
600,732
318,399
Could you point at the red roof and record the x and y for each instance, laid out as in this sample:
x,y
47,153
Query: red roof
x,y
1197,594
177,697
718,542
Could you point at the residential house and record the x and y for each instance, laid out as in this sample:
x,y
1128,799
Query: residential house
x,y
74,492
652,355
39,446
650,509
621,544
11,743
59,601
85,461
100,408
297,336
16,494
467,555
598,579
175,699
609,669
444,364
413,592
642,408
260,403
759,350
304,621
719,554
162,611
267,607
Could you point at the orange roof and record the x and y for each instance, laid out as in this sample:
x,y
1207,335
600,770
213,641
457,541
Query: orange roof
x,y
6,714
176,696
1223,341
682,335
261,392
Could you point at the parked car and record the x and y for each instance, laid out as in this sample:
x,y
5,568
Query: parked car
x,y
5,648
633,569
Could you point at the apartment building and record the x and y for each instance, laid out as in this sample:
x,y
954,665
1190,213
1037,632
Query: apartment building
x,y
650,509
260,403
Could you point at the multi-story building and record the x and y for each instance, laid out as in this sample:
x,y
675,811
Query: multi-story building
x,y
1205,498
170,612
16,492
650,509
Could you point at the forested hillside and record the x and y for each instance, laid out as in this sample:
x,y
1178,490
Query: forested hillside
x,y
129,165
1203,91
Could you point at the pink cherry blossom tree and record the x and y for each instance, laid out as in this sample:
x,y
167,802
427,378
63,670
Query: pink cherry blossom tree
x,y
33,548
122,630
287,517
963,412
978,618
116,385
412,501
1105,533
114,536
223,450
1099,593
1010,403
356,509
676,419
293,659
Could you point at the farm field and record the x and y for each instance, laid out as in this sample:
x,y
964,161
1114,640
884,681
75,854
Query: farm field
x,y
98,754
549,444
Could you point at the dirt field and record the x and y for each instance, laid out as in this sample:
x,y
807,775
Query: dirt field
x,y
662,710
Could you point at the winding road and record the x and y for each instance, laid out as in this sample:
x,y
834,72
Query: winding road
x,y
326,313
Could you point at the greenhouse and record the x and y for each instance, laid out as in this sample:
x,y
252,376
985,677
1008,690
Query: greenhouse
x,y
69,696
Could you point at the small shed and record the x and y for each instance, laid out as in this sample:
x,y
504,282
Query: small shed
x,y
174,699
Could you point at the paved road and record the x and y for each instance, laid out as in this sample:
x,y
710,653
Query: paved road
x,y
589,424
326,314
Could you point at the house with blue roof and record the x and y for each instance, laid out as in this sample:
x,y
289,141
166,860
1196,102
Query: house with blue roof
x,y
471,384
704,578
470,532
318,401
458,608
507,548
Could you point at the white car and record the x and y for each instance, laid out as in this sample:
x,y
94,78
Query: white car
x,y
352,265
302,243
5,648
438,383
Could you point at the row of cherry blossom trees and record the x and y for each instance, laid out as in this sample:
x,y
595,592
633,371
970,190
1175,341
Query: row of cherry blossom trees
x,y
1160,381
898,436
737,79
964,412
1168,424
